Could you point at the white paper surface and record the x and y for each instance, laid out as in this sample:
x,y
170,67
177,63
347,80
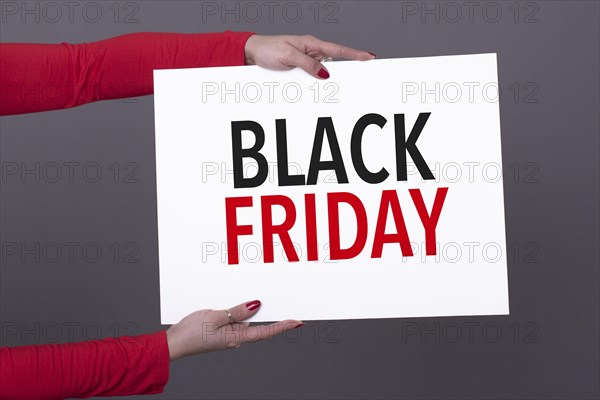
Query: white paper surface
x,y
460,142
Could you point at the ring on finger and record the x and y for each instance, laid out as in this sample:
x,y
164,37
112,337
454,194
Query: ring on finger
x,y
229,316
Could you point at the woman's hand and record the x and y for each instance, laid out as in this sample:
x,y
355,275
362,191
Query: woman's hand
x,y
210,330
286,52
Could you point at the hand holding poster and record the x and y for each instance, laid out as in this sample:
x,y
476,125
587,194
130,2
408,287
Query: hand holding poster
x,y
375,194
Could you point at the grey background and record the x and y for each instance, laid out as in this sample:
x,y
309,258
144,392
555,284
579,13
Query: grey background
x,y
546,348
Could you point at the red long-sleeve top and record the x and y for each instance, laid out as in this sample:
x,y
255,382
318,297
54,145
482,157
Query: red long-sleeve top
x,y
108,367
41,77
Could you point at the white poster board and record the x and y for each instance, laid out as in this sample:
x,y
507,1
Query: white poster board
x,y
357,265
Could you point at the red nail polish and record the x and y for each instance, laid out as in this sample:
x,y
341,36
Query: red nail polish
x,y
373,54
323,73
253,305
299,325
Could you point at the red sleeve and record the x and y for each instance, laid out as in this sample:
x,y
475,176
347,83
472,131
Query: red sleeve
x,y
41,77
109,367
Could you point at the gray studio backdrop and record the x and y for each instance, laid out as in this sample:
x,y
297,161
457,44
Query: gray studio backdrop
x,y
548,71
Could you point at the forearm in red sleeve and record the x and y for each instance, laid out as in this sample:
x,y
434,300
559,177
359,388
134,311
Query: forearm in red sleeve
x,y
41,77
110,367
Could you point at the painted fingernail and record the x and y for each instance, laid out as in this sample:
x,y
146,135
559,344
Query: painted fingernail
x,y
374,55
323,73
253,305
299,325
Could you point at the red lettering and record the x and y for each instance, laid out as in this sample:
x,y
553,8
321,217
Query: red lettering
x,y
311,227
389,198
389,201
429,221
233,229
269,230
333,200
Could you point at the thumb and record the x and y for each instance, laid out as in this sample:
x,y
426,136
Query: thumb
x,y
307,63
239,313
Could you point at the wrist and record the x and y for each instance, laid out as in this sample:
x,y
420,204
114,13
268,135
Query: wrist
x,y
173,344
250,50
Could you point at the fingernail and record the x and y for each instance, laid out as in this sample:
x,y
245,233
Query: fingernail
x,y
374,55
253,305
299,325
323,73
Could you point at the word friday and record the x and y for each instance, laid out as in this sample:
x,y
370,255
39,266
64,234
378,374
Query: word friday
x,y
389,198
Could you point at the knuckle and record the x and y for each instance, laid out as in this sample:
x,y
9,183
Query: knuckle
x,y
238,314
288,53
213,315
315,64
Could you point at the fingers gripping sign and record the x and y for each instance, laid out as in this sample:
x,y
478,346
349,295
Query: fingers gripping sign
x,y
288,51
210,330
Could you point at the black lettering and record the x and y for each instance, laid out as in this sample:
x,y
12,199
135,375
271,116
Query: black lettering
x,y
282,158
239,153
356,148
325,126
409,146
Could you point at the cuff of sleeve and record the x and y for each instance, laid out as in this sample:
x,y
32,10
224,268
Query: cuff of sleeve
x,y
160,373
238,44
